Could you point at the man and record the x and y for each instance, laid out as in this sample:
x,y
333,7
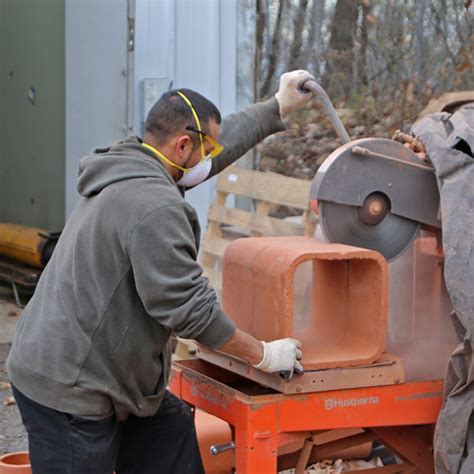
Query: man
x,y
90,360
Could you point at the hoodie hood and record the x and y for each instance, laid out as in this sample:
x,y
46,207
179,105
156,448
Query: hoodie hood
x,y
126,159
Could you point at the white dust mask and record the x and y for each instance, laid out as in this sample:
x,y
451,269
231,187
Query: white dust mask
x,y
197,174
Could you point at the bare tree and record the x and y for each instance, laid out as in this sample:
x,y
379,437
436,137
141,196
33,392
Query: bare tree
x,y
408,49
315,44
339,58
420,47
298,29
362,42
259,40
274,53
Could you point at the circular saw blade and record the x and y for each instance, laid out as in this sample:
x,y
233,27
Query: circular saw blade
x,y
341,224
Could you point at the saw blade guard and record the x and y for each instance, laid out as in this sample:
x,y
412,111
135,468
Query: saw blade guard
x,y
375,193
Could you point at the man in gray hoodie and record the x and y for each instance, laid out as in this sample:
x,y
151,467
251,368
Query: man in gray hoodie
x,y
90,361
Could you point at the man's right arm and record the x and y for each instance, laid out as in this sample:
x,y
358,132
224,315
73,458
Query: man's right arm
x,y
169,281
244,346
281,355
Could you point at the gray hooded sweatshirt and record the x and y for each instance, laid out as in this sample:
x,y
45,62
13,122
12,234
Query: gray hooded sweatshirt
x,y
94,339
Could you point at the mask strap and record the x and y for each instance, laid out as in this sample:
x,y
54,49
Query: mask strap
x,y
196,118
163,157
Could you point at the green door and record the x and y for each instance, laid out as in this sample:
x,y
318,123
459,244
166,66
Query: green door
x,y
32,112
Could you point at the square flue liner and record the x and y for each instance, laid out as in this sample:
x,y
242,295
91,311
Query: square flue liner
x,y
342,290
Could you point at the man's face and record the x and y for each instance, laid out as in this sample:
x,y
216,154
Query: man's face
x,y
212,129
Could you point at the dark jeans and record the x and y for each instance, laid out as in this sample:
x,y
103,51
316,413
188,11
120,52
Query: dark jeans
x,y
60,443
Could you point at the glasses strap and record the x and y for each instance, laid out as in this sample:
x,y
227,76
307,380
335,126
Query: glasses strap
x,y
196,118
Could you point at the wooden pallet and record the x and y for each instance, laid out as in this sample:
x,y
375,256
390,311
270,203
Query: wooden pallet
x,y
268,191
448,102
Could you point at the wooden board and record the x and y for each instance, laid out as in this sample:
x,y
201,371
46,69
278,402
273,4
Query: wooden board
x,y
388,370
267,191
447,102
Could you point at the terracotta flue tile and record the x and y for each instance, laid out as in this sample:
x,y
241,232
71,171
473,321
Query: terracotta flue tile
x,y
332,297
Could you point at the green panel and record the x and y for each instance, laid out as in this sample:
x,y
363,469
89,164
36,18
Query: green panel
x,y
32,128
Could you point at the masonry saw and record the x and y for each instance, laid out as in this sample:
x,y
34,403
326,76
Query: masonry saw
x,y
373,193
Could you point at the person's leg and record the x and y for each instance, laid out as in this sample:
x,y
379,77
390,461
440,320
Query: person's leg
x,y
165,443
60,443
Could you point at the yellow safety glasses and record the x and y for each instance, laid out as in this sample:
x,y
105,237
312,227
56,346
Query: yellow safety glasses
x,y
217,147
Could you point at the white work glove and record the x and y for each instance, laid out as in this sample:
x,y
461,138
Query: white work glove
x,y
289,97
282,355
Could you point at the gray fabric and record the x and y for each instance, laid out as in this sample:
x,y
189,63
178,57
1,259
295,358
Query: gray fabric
x,y
122,279
444,136
243,130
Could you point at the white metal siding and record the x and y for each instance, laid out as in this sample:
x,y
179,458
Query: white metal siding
x,y
190,42
96,81
193,43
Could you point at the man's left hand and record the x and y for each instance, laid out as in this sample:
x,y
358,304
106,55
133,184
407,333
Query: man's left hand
x,y
289,95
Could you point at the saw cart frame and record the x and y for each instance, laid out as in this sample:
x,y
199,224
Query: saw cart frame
x,y
401,416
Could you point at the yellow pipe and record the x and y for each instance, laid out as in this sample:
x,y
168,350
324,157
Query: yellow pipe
x,y
21,243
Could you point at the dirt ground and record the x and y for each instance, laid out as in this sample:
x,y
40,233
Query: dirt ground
x,y
12,433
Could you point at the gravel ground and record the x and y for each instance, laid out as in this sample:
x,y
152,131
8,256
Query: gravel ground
x,y
12,433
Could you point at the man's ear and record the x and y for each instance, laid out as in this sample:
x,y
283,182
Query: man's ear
x,y
183,143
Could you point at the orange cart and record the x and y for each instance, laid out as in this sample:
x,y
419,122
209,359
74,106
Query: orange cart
x,y
401,416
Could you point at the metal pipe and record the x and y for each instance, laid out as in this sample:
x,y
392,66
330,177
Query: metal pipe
x,y
216,449
17,295
310,85
362,151
28,245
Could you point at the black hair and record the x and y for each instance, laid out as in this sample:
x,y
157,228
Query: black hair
x,y
172,114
